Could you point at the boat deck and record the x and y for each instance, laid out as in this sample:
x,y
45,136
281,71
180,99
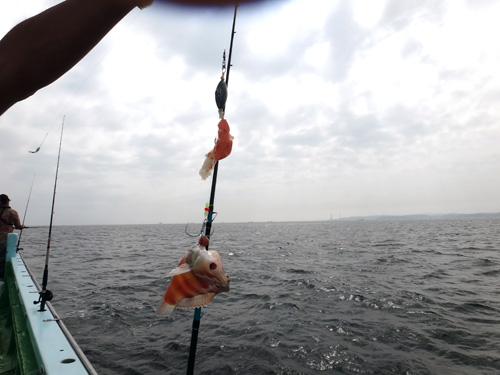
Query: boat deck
x,y
33,341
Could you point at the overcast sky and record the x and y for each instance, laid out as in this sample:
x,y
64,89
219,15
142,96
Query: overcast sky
x,y
337,108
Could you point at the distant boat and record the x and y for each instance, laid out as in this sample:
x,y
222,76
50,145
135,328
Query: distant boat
x,y
33,341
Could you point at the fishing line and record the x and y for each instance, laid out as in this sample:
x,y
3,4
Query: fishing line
x,y
43,140
46,295
25,211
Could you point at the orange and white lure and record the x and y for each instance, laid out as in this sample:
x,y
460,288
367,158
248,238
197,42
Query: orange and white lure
x,y
196,280
222,149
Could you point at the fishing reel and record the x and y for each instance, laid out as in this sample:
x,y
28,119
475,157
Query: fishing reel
x,y
45,296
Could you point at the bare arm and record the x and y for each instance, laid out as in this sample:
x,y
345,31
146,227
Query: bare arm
x,y
41,49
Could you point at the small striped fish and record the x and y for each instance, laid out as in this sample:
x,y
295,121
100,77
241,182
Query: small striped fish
x,y
196,280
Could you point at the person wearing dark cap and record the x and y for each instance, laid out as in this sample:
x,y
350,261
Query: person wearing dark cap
x,y
9,219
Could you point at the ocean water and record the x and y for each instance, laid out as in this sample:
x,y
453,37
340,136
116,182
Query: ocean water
x,y
338,297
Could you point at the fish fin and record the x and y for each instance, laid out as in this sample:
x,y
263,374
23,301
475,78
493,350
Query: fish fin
x,y
182,268
165,309
198,301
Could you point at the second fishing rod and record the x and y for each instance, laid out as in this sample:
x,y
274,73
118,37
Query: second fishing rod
x,y
45,294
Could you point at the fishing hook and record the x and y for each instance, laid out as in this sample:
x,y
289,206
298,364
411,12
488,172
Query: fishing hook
x,y
186,231
202,230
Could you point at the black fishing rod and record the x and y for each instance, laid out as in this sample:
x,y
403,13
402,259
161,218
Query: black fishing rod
x,y
46,295
208,227
24,217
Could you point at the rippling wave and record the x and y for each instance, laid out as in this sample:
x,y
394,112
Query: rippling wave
x,y
412,297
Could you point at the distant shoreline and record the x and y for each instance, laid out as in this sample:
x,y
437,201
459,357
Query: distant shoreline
x,y
494,215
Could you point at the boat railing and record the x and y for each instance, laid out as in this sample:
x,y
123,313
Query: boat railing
x,y
55,348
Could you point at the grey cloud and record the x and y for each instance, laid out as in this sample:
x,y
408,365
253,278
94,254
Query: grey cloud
x,y
398,14
346,38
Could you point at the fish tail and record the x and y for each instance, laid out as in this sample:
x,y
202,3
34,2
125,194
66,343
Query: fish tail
x,y
165,309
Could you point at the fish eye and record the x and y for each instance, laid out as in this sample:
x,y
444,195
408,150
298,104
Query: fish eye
x,y
213,266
